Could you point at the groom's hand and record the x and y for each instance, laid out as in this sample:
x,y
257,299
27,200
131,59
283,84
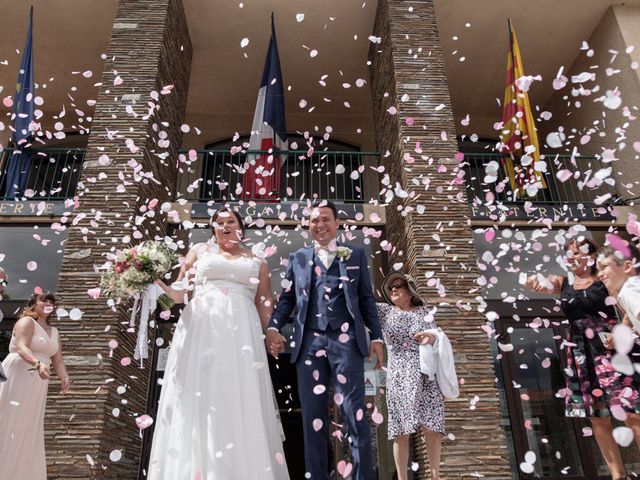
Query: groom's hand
x,y
376,350
275,343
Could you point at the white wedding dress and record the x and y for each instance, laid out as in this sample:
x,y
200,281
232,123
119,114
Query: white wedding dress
x,y
217,418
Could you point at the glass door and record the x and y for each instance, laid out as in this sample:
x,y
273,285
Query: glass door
x,y
547,444
283,373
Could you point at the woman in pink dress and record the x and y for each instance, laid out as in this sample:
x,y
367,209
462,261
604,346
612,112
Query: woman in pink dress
x,y
35,345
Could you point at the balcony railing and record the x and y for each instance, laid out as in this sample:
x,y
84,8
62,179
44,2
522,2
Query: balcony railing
x,y
584,189
53,174
333,175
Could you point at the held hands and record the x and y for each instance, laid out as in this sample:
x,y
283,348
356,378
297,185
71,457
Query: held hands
x,y
425,338
275,343
376,350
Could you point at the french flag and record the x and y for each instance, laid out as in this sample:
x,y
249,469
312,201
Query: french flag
x,y
269,131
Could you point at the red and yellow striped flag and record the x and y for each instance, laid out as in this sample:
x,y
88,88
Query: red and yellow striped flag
x,y
519,137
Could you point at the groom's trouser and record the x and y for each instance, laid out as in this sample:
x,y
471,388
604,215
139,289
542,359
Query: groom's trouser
x,y
324,359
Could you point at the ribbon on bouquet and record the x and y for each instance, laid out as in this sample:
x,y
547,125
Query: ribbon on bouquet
x,y
147,304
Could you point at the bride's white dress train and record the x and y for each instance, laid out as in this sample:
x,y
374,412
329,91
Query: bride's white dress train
x,y
217,419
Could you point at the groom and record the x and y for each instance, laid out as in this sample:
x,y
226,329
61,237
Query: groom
x,y
329,288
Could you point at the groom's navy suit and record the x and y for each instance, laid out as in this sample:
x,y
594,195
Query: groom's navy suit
x,y
333,307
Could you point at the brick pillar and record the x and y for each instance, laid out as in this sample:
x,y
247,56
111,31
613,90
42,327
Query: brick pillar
x,y
139,131
407,74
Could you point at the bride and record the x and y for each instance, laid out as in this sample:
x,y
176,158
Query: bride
x,y
217,418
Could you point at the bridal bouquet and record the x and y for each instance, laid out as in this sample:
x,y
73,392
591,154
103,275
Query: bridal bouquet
x,y
130,274
132,271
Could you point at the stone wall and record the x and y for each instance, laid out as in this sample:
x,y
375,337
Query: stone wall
x,y
139,132
418,144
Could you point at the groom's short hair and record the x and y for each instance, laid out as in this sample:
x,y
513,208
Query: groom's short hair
x,y
326,204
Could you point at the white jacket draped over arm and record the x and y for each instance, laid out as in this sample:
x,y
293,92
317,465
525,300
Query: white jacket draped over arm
x,y
437,361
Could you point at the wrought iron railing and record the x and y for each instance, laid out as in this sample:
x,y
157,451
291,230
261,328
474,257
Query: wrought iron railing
x,y
219,175
584,188
53,174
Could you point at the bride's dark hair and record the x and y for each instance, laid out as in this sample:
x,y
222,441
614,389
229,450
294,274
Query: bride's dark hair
x,y
214,219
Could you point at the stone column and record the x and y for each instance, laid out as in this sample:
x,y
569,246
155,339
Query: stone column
x,y
429,228
130,163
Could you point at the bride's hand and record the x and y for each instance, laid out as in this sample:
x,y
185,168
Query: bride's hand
x,y
275,343
162,285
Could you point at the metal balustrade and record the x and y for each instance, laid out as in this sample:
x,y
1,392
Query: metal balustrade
x,y
53,175
581,188
219,175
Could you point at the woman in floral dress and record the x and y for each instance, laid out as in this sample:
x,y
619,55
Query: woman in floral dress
x,y
594,389
414,403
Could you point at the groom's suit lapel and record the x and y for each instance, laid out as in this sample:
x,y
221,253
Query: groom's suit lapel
x,y
310,258
344,274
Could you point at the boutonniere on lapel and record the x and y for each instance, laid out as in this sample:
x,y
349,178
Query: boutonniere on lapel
x,y
343,253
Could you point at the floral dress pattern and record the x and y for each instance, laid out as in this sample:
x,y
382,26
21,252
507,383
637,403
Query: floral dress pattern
x,y
413,402
594,387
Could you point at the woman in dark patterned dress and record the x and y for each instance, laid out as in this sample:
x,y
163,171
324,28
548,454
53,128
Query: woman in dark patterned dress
x,y
414,403
594,388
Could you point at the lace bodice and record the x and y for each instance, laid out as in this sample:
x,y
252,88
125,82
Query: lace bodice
x,y
213,267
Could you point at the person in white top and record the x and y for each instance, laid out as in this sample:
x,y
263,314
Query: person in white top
x,y
619,270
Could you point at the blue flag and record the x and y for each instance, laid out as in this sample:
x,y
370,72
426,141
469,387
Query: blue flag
x,y
20,161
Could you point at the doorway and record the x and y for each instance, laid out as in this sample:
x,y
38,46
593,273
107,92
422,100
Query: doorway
x,y
283,373
531,375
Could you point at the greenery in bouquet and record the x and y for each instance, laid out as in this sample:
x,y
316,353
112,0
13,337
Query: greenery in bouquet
x,y
132,270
